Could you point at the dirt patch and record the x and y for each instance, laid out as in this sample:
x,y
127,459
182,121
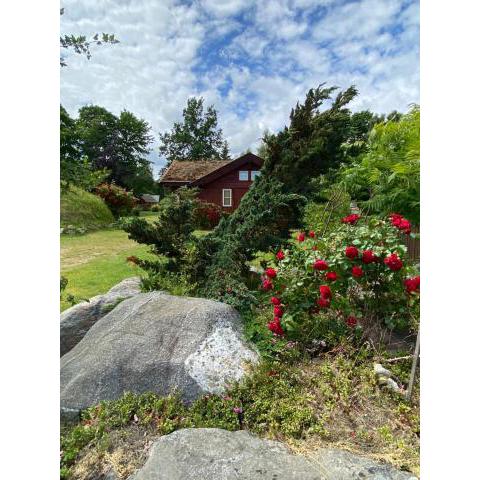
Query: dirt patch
x,y
117,456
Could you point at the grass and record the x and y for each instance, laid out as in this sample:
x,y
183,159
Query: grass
x,y
95,262
82,209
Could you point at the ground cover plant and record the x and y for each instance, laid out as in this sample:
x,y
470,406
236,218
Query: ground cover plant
x,y
332,399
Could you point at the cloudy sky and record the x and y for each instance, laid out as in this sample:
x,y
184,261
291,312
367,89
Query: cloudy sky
x,y
252,59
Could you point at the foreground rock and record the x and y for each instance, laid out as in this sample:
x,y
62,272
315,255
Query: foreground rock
x,y
155,342
204,453
77,320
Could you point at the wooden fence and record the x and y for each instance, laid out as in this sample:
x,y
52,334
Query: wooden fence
x,y
413,246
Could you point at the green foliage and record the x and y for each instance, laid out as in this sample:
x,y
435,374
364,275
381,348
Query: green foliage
x,y
322,217
259,222
79,208
75,169
387,177
81,45
207,215
119,200
311,145
171,234
118,144
376,298
197,137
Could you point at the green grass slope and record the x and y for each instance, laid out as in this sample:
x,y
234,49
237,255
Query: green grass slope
x,y
82,209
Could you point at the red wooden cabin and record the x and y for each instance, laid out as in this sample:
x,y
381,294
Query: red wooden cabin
x,y
223,182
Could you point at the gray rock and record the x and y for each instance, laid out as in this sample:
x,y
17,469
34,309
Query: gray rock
x,y
77,320
156,342
211,453
343,465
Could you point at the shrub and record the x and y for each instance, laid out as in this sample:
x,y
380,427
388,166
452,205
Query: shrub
x,y
120,201
207,215
353,278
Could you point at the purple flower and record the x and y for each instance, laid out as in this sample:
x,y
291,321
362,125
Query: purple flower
x,y
237,410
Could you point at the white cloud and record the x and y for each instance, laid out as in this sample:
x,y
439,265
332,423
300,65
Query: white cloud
x,y
257,58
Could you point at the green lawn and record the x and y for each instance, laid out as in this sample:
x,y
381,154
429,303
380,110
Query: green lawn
x,y
95,262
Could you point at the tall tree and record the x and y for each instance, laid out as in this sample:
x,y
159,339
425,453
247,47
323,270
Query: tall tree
x,y
197,137
119,144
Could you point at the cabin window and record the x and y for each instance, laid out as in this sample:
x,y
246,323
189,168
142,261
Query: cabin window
x,y
227,197
243,175
254,174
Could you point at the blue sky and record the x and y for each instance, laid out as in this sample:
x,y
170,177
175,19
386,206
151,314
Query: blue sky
x,y
252,59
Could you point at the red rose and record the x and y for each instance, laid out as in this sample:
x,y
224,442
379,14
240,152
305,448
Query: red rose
x,y
405,226
280,255
325,291
395,218
311,234
351,321
275,326
357,271
320,265
275,301
277,311
323,302
368,256
301,237
393,262
412,284
267,284
331,276
271,272
351,219
351,252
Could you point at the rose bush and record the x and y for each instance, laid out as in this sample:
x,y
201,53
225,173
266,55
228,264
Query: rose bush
x,y
356,277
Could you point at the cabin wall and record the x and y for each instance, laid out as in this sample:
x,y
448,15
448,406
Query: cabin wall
x,y
212,192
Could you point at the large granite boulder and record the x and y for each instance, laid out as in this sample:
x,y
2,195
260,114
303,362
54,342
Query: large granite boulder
x,y
204,453
213,453
155,342
77,320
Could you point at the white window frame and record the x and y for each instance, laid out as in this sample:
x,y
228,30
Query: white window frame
x,y
240,175
254,174
224,203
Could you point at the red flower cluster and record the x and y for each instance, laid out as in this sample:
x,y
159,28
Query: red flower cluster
x,y
357,271
331,276
267,284
351,219
369,257
280,255
351,252
325,296
275,301
393,262
301,237
401,223
351,321
270,272
412,284
320,265
275,326
311,234
278,311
